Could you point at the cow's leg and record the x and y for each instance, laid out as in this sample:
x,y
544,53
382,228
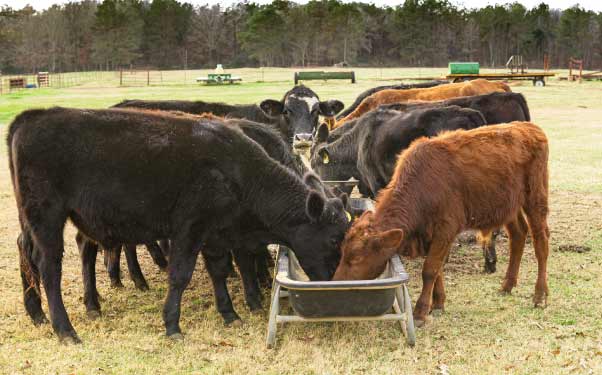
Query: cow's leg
x,y
262,266
157,254
30,279
87,252
182,261
112,262
48,239
431,268
540,234
219,268
517,234
439,295
246,265
134,267
164,245
487,241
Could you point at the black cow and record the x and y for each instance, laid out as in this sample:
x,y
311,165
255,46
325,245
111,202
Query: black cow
x,y
402,86
296,114
369,150
497,107
99,169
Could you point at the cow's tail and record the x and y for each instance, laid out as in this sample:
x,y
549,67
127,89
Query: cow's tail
x,y
523,104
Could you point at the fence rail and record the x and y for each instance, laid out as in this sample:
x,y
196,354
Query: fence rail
x,y
153,77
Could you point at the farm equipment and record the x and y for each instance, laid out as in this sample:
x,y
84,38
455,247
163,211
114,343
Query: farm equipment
x,y
467,71
320,75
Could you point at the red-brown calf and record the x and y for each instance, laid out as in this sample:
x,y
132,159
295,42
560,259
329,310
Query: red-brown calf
x,y
476,179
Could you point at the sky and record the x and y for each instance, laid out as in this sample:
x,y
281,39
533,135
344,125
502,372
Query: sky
x,y
595,5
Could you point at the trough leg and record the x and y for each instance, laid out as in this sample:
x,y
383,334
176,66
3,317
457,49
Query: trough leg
x,y
134,267
88,251
274,310
219,268
407,303
30,279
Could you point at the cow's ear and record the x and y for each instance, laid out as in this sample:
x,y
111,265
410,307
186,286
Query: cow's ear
x,y
324,155
314,205
388,242
272,107
313,181
331,107
323,133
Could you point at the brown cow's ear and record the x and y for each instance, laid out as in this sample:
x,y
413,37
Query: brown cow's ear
x,y
388,242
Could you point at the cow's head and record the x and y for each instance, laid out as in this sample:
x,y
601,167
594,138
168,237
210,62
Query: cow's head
x,y
299,112
365,251
316,241
331,161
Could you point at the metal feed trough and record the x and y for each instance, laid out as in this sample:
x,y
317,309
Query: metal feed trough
x,y
349,300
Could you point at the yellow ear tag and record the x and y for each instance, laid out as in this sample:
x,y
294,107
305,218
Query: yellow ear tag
x,y
348,216
325,159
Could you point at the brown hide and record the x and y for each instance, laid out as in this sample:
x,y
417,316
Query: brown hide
x,y
453,90
477,179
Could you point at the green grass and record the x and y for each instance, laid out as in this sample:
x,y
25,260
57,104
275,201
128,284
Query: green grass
x,y
481,331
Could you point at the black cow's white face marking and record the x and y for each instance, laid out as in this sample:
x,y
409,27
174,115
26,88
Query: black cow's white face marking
x,y
300,110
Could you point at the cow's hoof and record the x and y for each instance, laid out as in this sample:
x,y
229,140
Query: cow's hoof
x,y
178,336
230,318
254,304
141,285
540,300
437,312
93,314
507,286
69,338
234,324
39,319
116,284
490,267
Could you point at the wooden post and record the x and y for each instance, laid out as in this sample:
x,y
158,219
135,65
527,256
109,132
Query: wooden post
x,y
148,77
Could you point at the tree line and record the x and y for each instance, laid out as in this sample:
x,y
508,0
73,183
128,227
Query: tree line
x,y
166,34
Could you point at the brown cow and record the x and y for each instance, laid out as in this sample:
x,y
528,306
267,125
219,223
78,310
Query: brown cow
x,y
466,179
469,88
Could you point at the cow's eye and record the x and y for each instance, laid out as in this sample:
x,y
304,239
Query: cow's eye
x,y
286,112
334,241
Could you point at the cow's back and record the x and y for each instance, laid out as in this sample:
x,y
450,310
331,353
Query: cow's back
x,y
463,171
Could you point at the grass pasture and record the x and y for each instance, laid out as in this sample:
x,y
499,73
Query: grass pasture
x,y
480,332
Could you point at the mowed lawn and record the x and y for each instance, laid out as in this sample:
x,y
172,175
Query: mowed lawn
x,y
481,331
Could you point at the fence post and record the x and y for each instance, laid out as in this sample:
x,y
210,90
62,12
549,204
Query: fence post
x,y
148,77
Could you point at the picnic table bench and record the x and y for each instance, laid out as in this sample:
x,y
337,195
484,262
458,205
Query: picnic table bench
x,y
219,78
